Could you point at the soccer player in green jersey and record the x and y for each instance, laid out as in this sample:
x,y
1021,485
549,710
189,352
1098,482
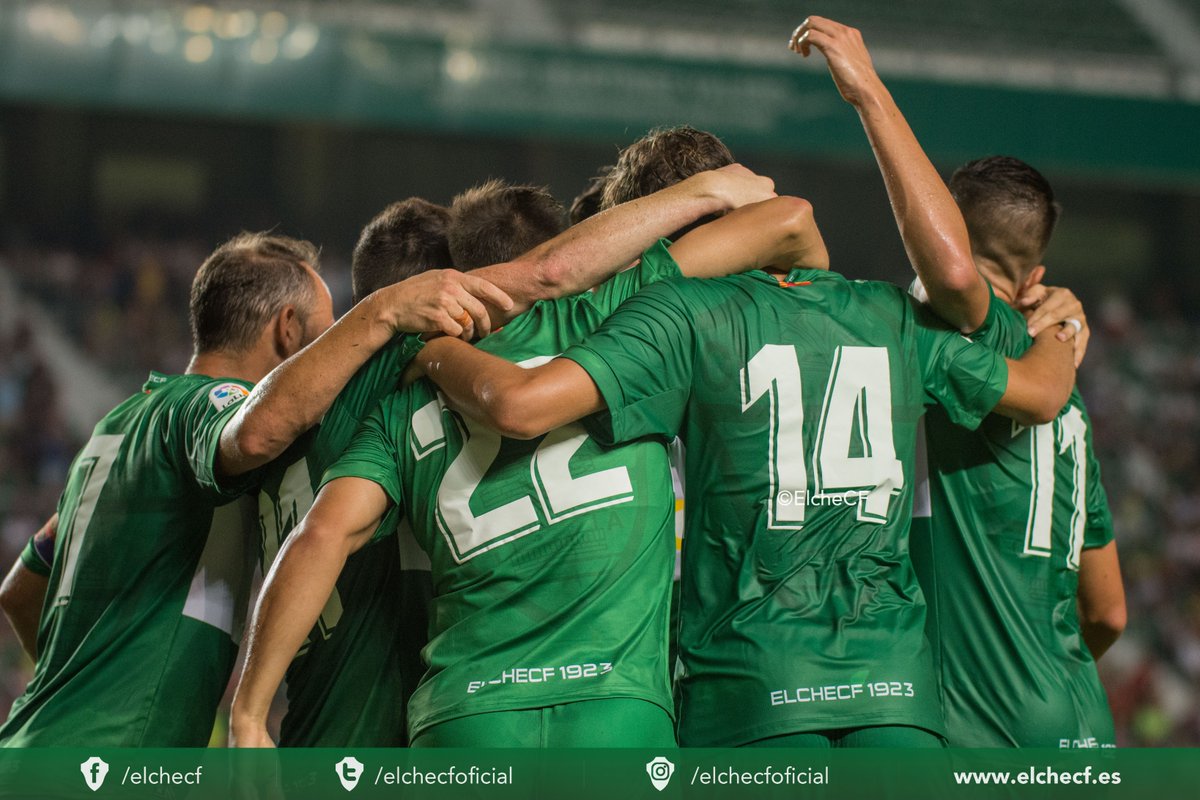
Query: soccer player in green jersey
x,y
350,682
551,560
798,401
150,573
1019,518
1023,576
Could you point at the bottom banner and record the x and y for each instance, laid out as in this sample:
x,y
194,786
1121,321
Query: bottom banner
x,y
62,774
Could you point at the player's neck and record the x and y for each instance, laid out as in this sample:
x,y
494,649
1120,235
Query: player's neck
x,y
1003,285
248,367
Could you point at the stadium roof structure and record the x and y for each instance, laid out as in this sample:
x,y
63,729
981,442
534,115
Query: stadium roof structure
x,y
1093,86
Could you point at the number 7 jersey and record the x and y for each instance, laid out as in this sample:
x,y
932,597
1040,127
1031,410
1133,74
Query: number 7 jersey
x,y
152,566
798,402
551,558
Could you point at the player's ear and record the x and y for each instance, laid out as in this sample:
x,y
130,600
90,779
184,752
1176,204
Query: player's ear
x,y
1033,278
288,332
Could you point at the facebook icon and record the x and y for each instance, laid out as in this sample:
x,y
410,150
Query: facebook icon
x,y
94,770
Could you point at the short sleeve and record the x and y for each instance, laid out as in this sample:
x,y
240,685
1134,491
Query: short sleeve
x,y
642,360
965,377
200,423
1099,529
35,556
373,455
656,264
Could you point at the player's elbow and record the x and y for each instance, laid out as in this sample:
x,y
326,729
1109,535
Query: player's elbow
x,y
18,595
320,538
254,445
1055,399
512,414
794,215
1110,618
1040,414
954,298
1044,406
10,598
553,278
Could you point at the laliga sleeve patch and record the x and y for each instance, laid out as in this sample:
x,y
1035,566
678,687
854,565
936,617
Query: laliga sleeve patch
x,y
225,395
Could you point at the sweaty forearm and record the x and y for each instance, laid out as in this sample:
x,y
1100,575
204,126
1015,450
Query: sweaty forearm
x,y
931,225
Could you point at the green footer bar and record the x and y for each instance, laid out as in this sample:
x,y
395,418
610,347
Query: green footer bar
x,y
321,774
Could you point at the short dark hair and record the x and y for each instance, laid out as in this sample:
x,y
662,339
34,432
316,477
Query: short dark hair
x,y
496,222
1005,200
405,239
662,158
589,200
244,283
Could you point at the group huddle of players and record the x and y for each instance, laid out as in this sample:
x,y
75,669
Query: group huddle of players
x,y
895,530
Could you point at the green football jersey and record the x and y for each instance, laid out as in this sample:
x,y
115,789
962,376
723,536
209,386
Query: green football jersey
x,y
551,558
1012,507
798,403
350,682
150,581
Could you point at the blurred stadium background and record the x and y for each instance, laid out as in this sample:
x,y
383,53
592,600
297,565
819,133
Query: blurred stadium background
x,y
135,136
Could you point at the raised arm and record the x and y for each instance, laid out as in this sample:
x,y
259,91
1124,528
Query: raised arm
x,y
345,515
1040,382
589,253
779,233
516,402
935,236
297,393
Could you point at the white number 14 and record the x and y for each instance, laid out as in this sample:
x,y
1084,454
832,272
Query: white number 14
x,y
857,409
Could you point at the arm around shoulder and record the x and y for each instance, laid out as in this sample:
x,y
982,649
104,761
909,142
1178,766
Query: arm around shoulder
x,y
518,403
1040,382
779,233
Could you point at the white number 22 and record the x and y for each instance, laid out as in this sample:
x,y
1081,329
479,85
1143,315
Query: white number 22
x,y
558,493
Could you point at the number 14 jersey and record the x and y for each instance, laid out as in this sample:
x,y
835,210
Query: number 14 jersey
x,y
798,402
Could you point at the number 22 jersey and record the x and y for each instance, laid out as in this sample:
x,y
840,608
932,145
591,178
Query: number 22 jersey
x,y
551,558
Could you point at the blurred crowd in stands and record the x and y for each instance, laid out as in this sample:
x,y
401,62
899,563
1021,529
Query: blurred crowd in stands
x,y
125,311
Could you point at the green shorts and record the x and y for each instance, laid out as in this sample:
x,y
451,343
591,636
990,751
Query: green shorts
x,y
616,722
893,736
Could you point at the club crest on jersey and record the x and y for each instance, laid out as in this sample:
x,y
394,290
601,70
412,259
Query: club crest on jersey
x,y
225,395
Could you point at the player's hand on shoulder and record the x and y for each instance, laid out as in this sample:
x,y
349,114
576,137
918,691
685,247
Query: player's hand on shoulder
x,y
446,301
739,186
844,50
1046,306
